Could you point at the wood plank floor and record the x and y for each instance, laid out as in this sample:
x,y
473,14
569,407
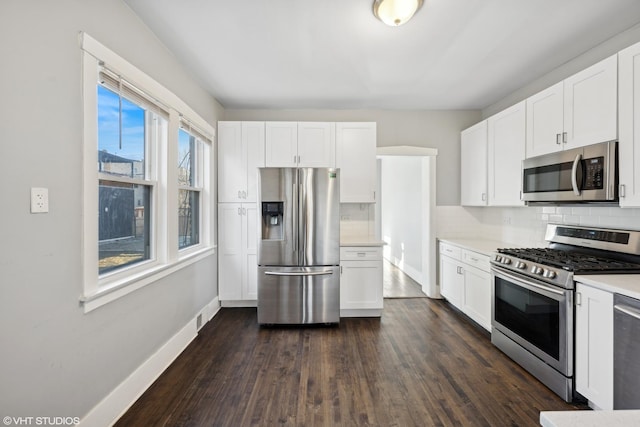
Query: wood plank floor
x,y
396,284
421,364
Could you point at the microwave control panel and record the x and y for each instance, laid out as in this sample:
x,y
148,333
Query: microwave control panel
x,y
594,174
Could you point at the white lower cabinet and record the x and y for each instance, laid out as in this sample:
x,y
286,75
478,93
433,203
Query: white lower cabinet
x,y
465,281
594,345
238,253
361,281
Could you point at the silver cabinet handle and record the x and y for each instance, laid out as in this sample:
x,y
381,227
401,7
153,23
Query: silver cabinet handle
x,y
244,211
244,194
574,171
564,137
294,159
622,191
484,197
239,194
558,138
631,311
298,273
239,211
474,259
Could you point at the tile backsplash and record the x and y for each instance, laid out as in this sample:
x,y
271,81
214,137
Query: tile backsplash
x,y
357,220
526,226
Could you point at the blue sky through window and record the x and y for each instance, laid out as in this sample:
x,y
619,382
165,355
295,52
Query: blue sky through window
x,y
109,127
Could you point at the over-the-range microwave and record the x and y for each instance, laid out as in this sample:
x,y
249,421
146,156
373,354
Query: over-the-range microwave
x,y
581,175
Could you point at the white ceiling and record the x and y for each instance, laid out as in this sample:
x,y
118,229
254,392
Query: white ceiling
x,y
454,54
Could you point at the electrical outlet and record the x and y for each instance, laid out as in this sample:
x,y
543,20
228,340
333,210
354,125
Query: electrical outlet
x,y
39,200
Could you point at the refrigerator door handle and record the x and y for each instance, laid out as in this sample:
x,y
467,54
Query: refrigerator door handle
x,y
298,273
295,213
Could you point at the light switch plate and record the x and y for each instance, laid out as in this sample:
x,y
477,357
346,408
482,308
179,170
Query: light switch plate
x,y
39,200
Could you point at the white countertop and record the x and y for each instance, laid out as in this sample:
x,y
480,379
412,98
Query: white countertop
x,y
483,246
626,284
619,418
360,241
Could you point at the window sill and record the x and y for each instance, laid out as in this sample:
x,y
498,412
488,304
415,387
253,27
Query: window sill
x,y
118,289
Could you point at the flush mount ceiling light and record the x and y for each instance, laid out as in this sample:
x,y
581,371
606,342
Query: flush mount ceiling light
x,y
395,12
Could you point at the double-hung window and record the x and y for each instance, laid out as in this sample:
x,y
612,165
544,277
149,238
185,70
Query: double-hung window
x,y
147,179
190,156
131,129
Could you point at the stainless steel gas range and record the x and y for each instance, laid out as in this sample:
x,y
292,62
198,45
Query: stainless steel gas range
x,y
533,296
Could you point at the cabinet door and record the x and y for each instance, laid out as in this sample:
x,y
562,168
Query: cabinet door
x,y
232,179
477,296
507,135
451,281
590,104
473,165
230,251
629,126
316,145
594,345
361,285
281,145
253,153
356,158
250,251
545,121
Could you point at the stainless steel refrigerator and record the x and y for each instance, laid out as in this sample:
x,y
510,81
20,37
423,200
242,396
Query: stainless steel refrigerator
x,y
299,247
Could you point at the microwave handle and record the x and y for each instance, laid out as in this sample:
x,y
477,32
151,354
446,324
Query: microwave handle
x,y
574,175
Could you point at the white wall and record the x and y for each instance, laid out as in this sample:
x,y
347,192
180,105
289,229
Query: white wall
x,y
401,209
428,128
56,360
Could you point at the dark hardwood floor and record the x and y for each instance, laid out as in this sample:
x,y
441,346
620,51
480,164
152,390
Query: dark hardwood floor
x,y
421,364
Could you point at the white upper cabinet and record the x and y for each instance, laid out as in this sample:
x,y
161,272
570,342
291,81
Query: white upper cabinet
x,y
579,111
281,144
240,153
544,121
300,144
473,165
356,158
316,144
629,126
506,147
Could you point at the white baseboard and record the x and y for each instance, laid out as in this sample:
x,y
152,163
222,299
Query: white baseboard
x,y
116,403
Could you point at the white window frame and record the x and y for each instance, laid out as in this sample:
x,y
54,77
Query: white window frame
x,y
165,257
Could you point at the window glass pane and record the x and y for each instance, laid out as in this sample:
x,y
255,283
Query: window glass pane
x,y
186,159
121,137
188,218
124,224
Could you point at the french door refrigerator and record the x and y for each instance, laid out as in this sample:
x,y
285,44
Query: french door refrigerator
x,y
299,246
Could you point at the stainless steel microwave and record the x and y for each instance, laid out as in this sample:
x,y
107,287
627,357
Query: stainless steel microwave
x,y
580,175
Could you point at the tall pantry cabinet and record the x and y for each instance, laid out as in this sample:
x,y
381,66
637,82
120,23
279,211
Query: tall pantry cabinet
x,y
240,153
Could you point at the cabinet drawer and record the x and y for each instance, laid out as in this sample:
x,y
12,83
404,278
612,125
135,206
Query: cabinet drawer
x,y
480,261
360,253
451,250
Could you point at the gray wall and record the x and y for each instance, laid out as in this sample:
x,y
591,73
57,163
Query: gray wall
x,y
588,58
428,128
56,360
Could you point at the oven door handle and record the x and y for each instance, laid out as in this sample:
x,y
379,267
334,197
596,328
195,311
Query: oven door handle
x,y
574,174
630,311
528,284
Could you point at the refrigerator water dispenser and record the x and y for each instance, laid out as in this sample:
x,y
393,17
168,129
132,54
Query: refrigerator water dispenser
x,y
272,216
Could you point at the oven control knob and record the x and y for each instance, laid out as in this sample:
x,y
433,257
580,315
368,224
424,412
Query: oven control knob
x,y
536,270
521,265
506,261
498,258
549,274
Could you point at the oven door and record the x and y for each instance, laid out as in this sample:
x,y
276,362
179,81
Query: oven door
x,y
537,316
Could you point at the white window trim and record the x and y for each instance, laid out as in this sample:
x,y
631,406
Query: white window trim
x,y
166,258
